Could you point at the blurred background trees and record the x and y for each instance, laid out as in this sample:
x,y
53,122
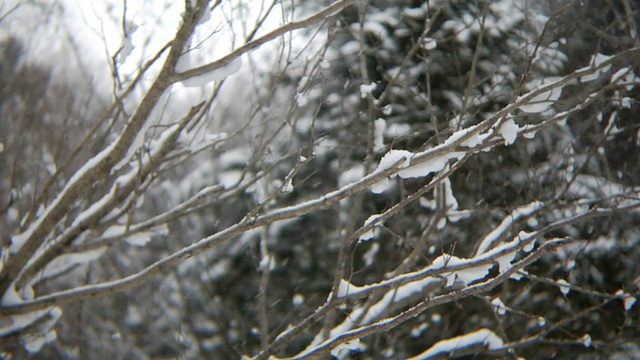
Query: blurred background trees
x,y
317,117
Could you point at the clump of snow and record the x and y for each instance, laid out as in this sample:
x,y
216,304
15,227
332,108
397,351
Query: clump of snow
x,y
625,76
392,157
351,175
343,350
523,211
466,276
370,254
542,321
418,330
397,130
350,48
346,288
564,286
541,102
627,299
429,43
425,168
133,316
367,89
297,300
388,160
369,234
380,127
126,48
499,306
594,63
66,261
482,336
509,131
414,13
586,340
267,263
10,297
302,99
33,343
288,186
381,186
450,201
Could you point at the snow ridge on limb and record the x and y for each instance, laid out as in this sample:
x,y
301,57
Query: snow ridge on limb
x,y
473,342
493,237
387,323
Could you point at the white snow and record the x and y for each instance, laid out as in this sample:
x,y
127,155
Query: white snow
x,y
396,130
380,127
288,186
10,297
133,316
369,234
414,13
33,343
594,64
504,261
367,89
343,350
425,168
586,340
509,131
351,175
627,299
215,75
506,225
267,262
139,239
369,256
388,160
66,261
418,330
466,276
16,323
498,306
297,300
126,48
482,336
394,295
564,286
625,76
450,201
541,102
350,48
346,288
